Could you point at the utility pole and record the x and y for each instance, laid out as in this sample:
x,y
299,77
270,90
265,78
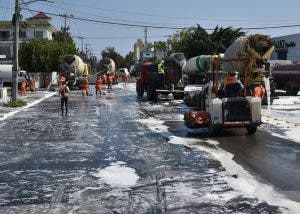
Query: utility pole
x,y
81,39
15,69
146,37
65,15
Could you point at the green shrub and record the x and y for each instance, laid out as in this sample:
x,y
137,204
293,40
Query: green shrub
x,y
15,104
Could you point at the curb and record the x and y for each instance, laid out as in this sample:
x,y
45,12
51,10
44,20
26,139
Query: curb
x,y
9,114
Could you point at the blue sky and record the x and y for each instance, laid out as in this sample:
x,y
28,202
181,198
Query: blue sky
x,y
171,13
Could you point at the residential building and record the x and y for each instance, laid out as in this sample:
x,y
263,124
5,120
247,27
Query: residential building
x,y
37,26
138,50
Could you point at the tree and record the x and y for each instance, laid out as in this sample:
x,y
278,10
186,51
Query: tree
x,y
115,56
62,36
40,55
129,59
196,41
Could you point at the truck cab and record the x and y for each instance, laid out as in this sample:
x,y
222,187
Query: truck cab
x,y
149,80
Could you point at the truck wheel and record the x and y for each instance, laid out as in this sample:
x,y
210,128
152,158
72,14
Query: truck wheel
x,y
251,130
140,90
295,91
178,96
151,94
291,91
214,130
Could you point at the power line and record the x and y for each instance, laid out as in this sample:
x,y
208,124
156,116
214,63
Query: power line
x,y
111,18
115,23
165,27
271,27
116,37
187,18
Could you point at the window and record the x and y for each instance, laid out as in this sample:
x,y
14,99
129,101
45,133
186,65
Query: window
x,y
4,35
5,50
38,34
22,34
282,54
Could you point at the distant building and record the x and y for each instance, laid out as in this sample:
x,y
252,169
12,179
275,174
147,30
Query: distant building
x,y
139,49
287,47
37,26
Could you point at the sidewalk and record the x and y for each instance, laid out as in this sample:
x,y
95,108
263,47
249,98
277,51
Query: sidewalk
x,y
31,98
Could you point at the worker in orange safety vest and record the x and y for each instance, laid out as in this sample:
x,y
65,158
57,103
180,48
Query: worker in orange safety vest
x,y
85,86
116,77
233,86
104,78
32,85
109,81
257,85
23,88
98,85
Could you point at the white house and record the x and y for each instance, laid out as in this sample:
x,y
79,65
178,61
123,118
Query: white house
x,y
37,26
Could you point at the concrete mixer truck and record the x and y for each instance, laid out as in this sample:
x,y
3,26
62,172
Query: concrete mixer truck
x,y
256,50
75,70
149,81
107,66
198,72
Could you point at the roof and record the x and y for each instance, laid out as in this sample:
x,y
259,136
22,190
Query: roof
x,y
40,15
26,23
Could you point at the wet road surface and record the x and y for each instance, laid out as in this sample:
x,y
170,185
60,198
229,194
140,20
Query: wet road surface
x,y
52,164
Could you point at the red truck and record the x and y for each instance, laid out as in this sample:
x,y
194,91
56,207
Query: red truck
x,y
148,79
286,76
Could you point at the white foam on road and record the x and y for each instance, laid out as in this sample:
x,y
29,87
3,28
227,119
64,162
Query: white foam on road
x,y
244,184
118,175
30,104
282,118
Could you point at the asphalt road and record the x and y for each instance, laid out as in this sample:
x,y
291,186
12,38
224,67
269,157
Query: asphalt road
x,y
55,164
277,160
273,160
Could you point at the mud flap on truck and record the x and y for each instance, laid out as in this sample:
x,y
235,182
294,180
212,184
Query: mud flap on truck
x,y
214,130
251,130
151,93
140,89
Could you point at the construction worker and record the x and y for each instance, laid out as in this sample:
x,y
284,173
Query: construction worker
x,y
109,81
257,85
61,80
125,77
64,98
98,85
46,82
116,79
23,88
104,78
85,87
233,86
32,85
161,72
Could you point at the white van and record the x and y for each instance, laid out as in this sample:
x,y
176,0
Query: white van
x,y
6,75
